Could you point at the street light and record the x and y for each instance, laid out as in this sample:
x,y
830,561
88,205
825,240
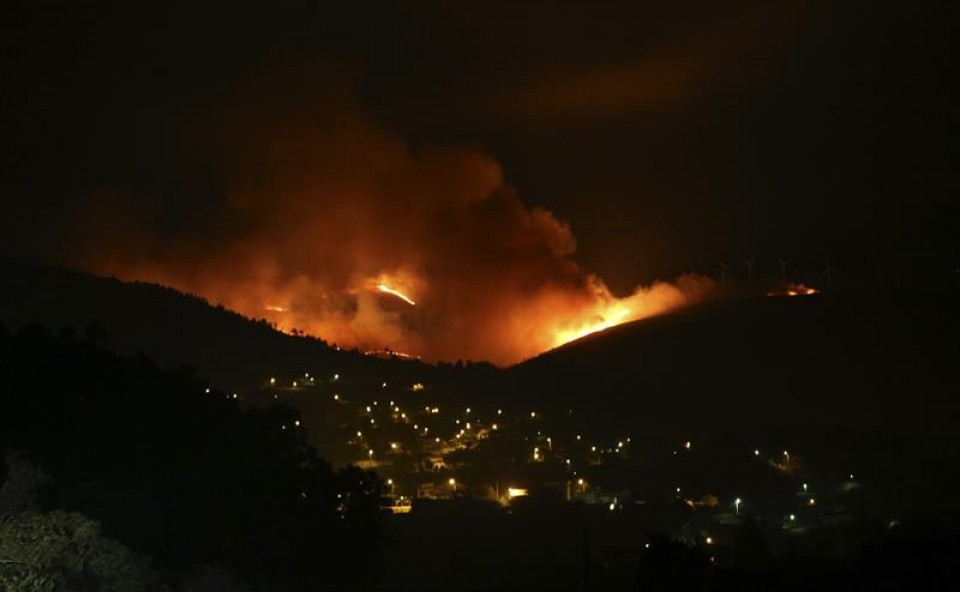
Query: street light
x,y
453,484
736,504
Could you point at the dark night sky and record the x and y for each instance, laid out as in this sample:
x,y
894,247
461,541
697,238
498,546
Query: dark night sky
x,y
670,135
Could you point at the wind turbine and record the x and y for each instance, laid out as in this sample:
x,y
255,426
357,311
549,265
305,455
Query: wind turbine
x,y
749,263
829,273
783,270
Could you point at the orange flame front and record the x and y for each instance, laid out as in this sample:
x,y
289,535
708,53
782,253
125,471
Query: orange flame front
x,y
388,290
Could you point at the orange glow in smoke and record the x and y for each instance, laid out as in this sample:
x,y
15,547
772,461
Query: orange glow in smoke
x,y
602,310
546,320
337,217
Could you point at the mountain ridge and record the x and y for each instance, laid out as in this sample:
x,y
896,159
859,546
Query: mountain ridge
x,y
174,328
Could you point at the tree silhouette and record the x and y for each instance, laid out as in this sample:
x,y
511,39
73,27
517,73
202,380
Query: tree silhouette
x,y
185,476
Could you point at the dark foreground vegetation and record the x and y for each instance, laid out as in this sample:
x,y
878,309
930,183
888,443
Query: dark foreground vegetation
x,y
120,475
542,543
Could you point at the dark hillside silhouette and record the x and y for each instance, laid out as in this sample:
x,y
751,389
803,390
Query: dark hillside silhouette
x,y
869,359
234,352
181,475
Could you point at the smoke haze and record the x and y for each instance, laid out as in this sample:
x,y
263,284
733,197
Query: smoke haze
x,y
324,214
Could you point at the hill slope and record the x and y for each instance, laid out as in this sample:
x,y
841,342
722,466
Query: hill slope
x,y
865,360
172,328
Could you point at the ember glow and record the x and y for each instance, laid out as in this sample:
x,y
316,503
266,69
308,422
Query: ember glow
x,y
388,290
327,217
794,290
611,319
606,311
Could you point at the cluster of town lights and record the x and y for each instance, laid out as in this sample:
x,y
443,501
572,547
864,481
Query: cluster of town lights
x,y
473,429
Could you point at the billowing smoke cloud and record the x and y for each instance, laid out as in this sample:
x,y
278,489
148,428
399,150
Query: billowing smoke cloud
x,y
325,214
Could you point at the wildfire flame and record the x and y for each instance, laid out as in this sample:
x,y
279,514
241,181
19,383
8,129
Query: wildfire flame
x,y
618,316
794,290
324,218
388,290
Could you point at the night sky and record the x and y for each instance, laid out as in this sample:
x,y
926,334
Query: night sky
x,y
669,135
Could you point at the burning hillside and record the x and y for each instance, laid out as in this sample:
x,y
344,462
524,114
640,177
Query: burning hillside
x,y
333,227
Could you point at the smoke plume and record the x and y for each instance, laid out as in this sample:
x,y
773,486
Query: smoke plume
x,y
332,226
